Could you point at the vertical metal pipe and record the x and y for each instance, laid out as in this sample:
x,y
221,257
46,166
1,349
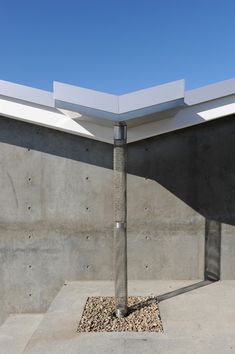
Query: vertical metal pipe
x,y
212,250
120,218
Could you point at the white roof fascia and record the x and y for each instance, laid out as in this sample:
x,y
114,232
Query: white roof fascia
x,y
118,108
185,117
85,101
210,92
34,106
151,97
144,113
27,94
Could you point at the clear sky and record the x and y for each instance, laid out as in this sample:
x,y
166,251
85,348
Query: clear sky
x,y
116,46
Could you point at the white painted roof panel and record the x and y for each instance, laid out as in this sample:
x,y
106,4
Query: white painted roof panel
x,y
27,94
91,114
152,96
210,92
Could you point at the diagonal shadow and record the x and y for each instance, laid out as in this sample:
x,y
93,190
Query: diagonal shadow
x,y
183,290
196,164
141,305
170,294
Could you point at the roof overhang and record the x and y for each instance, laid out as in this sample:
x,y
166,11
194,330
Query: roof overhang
x,y
90,113
129,107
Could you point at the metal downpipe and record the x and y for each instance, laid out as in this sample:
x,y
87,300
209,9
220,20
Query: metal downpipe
x,y
120,218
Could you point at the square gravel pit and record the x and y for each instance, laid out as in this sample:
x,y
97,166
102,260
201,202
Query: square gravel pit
x,y
99,315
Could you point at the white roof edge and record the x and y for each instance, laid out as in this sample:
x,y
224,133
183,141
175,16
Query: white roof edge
x,y
116,108
210,92
173,108
26,93
83,97
113,107
152,96
188,116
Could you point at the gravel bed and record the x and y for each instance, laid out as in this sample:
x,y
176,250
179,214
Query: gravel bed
x,y
98,316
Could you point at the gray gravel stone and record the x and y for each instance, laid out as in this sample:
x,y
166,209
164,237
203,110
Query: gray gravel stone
x,y
99,315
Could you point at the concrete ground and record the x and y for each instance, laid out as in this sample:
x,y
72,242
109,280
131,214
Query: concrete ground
x,y
201,320
16,332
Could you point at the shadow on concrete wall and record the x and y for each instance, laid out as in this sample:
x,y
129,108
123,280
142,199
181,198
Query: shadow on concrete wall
x,y
196,164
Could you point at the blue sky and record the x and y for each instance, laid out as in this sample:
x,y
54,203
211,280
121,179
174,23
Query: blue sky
x,y
116,46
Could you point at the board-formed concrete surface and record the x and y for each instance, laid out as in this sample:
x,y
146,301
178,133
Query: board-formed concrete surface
x,y
56,219
16,332
201,321
56,208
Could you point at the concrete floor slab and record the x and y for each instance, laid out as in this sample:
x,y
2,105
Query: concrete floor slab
x,y
16,332
198,321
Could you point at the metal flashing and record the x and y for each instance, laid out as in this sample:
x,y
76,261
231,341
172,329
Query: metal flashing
x,y
210,92
26,93
118,108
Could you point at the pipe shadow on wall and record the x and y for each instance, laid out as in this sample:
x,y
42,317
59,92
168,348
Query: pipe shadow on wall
x,y
195,164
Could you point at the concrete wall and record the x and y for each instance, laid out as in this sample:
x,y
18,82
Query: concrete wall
x,y
56,208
